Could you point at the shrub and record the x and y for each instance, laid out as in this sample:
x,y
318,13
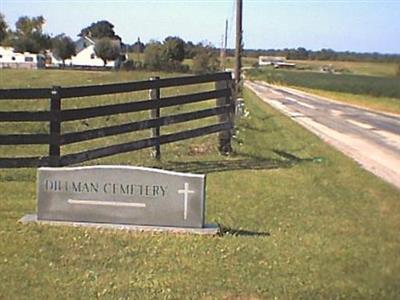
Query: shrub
x,y
152,56
205,62
131,65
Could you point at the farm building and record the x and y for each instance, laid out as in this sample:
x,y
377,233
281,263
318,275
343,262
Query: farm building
x,y
276,61
270,60
85,56
15,60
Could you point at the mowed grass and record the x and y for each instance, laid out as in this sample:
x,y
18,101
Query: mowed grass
x,y
22,78
300,221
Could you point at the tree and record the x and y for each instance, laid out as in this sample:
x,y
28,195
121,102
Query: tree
x,y
152,56
99,30
138,46
107,49
63,47
3,28
29,37
26,25
173,49
190,50
205,61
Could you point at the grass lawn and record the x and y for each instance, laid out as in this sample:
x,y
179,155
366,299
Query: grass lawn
x,y
300,221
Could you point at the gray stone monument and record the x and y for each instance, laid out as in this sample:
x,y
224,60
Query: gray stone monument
x,y
122,197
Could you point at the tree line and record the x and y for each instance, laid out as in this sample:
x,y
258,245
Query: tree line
x,y
323,54
168,55
28,36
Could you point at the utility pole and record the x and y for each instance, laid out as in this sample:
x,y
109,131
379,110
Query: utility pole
x,y
238,52
224,45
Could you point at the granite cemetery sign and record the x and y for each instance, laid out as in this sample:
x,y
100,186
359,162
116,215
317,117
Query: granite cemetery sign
x,y
121,195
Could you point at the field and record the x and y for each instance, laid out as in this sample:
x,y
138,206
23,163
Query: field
x,y
79,78
299,221
354,67
345,83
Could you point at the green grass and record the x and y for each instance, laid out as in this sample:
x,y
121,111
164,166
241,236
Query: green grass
x,y
355,67
246,61
73,78
47,78
300,221
345,83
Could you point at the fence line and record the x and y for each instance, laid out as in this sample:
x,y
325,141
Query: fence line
x,y
55,116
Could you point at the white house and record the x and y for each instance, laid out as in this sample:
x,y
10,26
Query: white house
x,y
14,60
85,56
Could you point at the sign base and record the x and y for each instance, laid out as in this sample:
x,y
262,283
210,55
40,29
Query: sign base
x,y
208,229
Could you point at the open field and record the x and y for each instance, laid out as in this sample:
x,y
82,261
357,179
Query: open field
x,y
355,67
47,78
300,221
345,83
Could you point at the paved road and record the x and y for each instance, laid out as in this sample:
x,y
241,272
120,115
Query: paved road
x,y
371,138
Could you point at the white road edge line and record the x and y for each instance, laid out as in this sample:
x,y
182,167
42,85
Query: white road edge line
x,y
307,105
360,124
106,203
391,138
291,99
276,93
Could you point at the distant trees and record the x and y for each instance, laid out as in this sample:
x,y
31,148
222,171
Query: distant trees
x,y
173,49
3,28
153,56
28,35
63,47
323,54
167,56
138,46
107,49
190,50
99,30
205,61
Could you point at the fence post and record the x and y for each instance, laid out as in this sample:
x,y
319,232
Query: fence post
x,y
55,126
154,94
225,137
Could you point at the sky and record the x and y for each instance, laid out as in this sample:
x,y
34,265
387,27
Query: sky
x,y
362,26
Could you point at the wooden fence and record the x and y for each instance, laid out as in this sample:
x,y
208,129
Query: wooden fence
x,y
56,115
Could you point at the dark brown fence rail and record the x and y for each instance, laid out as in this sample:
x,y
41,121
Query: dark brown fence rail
x,y
55,116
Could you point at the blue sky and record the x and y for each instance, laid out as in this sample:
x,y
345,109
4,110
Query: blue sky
x,y
363,26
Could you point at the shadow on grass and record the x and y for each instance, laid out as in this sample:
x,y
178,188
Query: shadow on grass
x,y
241,232
250,162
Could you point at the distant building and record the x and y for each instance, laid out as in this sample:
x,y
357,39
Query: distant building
x,y
9,59
270,60
284,65
85,56
276,61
